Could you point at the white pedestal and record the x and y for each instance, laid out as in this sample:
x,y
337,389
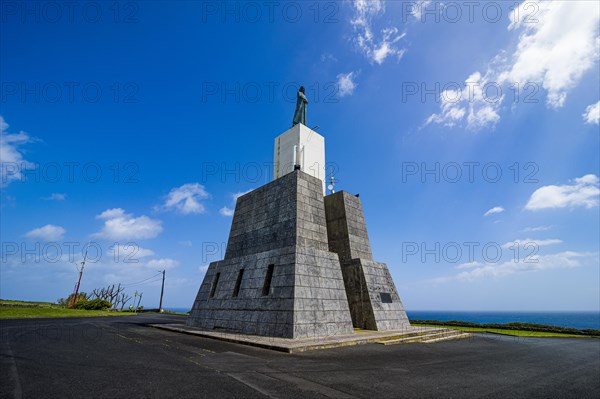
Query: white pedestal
x,y
302,146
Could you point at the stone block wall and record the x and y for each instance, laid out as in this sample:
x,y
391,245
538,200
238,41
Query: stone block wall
x,y
308,269
372,296
250,312
284,212
346,227
280,224
370,310
320,304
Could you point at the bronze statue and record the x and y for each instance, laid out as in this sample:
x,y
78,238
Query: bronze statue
x,y
301,103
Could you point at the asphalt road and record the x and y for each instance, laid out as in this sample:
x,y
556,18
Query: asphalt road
x,y
122,357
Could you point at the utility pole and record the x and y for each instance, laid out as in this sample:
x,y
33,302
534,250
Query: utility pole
x,y
74,301
162,291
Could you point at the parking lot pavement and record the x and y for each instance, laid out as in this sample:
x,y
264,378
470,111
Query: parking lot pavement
x,y
124,357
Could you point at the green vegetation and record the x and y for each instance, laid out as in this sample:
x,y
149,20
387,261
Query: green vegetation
x,y
114,295
8,302
24,309
66,302
25,312
176,313
94,304
513,329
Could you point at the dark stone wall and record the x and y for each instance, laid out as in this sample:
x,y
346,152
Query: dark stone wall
x,y
281,224
324,280
364,279
346,227
250,312
279,214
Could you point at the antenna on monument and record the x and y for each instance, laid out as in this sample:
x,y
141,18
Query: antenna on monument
x,y
331,182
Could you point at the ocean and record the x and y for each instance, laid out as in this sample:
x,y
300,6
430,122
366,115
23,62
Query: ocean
x,y
580,320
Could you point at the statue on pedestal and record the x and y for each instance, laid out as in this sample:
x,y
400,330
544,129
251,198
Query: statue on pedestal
x,y
301,103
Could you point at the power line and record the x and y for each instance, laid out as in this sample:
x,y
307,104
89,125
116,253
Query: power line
x,y
142,283
138,282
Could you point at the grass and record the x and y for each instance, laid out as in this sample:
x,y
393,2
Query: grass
x,y
176,313
8,302
43,312
514,333
30,310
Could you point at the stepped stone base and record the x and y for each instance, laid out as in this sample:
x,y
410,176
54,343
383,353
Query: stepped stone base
x,y
291,285
297,265
372,296
359,337
429,336
306,299
366,281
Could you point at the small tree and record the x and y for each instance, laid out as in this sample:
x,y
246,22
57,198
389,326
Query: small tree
x,y
111,294
66,302
94,304
123,299
137,307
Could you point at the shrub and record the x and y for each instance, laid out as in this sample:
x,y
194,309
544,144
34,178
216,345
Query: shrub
x,y
512,326
66,302
94,304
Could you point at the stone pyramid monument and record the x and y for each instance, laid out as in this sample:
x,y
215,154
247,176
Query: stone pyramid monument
x,y
298,264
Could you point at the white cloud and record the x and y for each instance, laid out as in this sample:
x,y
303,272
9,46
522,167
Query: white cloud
x,y
48,232
364,10
537,228
11,156
592,114
345,84
55,197
529,242
387,46
480,109
583,192
375,49
164,263
469,265
129,252
496,209
418,7
449,117
328,57
119,225
237,195
561,260
557,49
226,211
186,199
552,54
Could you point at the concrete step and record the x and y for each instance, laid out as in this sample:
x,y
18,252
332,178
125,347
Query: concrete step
x,y
457,336
430,336
419,338
418,333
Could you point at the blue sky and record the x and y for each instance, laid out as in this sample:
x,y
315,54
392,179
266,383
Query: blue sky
x,y
471,133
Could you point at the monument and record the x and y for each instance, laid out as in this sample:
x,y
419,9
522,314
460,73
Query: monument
x,y
298,263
